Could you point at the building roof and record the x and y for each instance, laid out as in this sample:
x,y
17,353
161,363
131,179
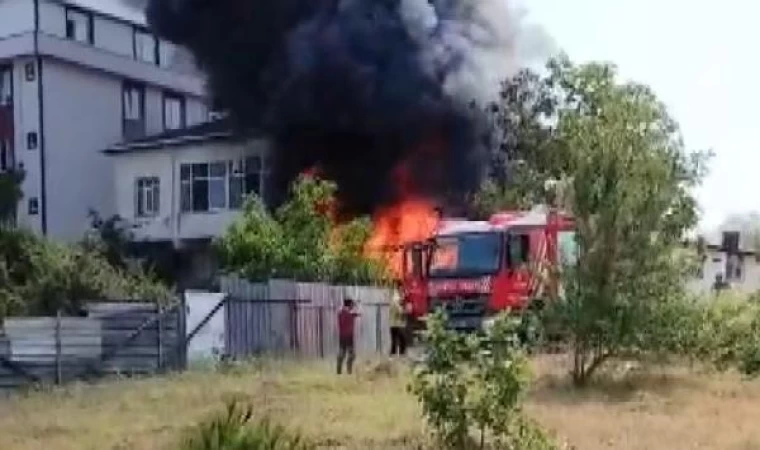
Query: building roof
x,y
128,10
220,129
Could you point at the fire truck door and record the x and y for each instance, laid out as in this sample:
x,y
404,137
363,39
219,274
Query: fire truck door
x,y
517,286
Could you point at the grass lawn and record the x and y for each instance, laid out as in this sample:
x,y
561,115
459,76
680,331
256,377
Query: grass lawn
x,y
656,409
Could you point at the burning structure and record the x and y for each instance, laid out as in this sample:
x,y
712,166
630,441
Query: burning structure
x,y
378,94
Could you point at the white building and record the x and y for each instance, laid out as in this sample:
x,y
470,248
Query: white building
x,y
729,257
77,77
181,189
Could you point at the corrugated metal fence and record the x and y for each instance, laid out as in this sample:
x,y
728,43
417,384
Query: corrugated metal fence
x,y
281,318
285,317
115,338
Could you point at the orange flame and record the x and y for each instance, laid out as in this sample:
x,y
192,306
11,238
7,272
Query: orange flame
x,y
412,218
409,221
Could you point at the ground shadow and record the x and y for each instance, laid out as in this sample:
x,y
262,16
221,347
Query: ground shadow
x,y
611,386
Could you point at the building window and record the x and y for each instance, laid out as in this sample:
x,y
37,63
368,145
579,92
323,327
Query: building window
x,y
31,140
734,267
6,86
33,206
145,46
133,111
166,52
79,26
221,184
6,154
174,112
147,196
204,186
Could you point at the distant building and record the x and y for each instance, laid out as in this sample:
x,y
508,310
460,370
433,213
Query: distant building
x,y
75,78
728,259
181,189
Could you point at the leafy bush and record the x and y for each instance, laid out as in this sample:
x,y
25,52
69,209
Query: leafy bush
x,y
475,384
39,277
299,241
232,430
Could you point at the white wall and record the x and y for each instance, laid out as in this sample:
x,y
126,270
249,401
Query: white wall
x,y
52,18
82,114
165,164
716,264
113,36
109,35
16,17
111,52
26,119
154,104
197,111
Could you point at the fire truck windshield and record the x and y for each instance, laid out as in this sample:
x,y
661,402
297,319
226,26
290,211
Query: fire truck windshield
x,y
466,254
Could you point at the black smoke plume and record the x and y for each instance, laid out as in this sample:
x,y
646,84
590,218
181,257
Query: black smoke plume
x,y
354,87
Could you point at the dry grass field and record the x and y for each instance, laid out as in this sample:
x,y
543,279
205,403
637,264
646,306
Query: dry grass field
x,y
653,409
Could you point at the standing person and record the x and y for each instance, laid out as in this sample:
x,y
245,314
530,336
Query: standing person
x,y
346,320
397,322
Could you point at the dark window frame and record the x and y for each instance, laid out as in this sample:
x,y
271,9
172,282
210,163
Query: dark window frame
x,y
169,95
237,171
143,185
90,24
125,122
7,68
156,50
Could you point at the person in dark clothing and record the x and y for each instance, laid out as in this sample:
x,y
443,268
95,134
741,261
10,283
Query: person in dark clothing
x,y
346,320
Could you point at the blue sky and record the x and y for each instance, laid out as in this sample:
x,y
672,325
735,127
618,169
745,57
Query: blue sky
x,y
700,57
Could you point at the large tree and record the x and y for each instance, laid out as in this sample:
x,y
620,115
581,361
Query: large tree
x,y
627,179
630,191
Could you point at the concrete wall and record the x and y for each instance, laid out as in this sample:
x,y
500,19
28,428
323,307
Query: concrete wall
x,y
26,120
16,17
171,224
111,51
716,264
82,114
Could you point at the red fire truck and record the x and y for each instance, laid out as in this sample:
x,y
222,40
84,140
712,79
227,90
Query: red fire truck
x,y
473,269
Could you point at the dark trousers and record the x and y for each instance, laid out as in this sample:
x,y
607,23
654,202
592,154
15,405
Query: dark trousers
x,y
398,341
346,352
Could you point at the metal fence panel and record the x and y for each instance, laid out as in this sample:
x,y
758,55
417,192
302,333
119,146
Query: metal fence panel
x,y
114,339
289,317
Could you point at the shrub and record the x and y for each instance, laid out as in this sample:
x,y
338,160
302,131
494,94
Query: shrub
x,y
40,277
233,430
471,388
299,241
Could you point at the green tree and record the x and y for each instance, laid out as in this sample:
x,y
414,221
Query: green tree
x,y
629,189
40,277
523,144
299,240
471,388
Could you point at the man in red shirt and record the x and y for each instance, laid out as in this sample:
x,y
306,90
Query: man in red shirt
x,y
346,319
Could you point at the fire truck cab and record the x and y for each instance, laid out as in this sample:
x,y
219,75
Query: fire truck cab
x,y
474,269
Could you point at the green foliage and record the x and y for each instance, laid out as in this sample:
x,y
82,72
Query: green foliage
x,y
632,203
10,194
475,385
299,240
39,277
232,430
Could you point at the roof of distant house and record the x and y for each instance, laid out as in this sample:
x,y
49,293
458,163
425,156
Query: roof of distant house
x,y
220,129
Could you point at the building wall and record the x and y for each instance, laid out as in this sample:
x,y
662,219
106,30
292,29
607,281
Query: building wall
x,y
171,224
16,17
715,264
82,115
112,50
27,120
